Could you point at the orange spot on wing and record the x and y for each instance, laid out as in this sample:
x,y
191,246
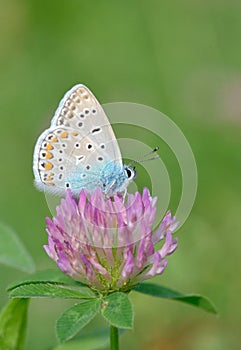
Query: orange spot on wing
x,y
49,147
49,155
50,177
74,133
48,166
64,134
53,139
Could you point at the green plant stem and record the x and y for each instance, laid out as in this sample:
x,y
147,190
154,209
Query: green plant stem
x,y
114,338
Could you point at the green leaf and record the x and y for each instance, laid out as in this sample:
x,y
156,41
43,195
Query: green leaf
x,y
50,275
75,318
12,251
87,340
117,310
13,321
51,290
50,283
163,292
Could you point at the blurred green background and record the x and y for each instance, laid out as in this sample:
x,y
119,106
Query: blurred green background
x,y
181,57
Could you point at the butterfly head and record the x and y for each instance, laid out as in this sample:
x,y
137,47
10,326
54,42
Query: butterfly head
x,y
114,178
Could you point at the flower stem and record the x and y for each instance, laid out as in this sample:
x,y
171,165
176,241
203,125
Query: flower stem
x,y
114,338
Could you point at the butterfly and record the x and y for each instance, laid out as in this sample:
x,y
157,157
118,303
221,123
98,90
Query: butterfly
x,y
80,149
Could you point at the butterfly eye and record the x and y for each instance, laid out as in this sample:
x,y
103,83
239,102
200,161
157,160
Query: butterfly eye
x,y
130,173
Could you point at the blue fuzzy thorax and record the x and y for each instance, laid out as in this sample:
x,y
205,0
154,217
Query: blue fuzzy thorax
x,y
112,178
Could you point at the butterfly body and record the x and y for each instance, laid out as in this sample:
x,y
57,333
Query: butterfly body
x,y
111,179
80,150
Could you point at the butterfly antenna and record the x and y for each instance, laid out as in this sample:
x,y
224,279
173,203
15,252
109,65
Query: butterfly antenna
x,y
144,157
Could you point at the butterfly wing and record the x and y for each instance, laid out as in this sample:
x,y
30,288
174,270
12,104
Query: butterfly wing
x,y
79,143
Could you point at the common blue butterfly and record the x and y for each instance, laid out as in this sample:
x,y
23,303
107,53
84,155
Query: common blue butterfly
x,y
80,150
